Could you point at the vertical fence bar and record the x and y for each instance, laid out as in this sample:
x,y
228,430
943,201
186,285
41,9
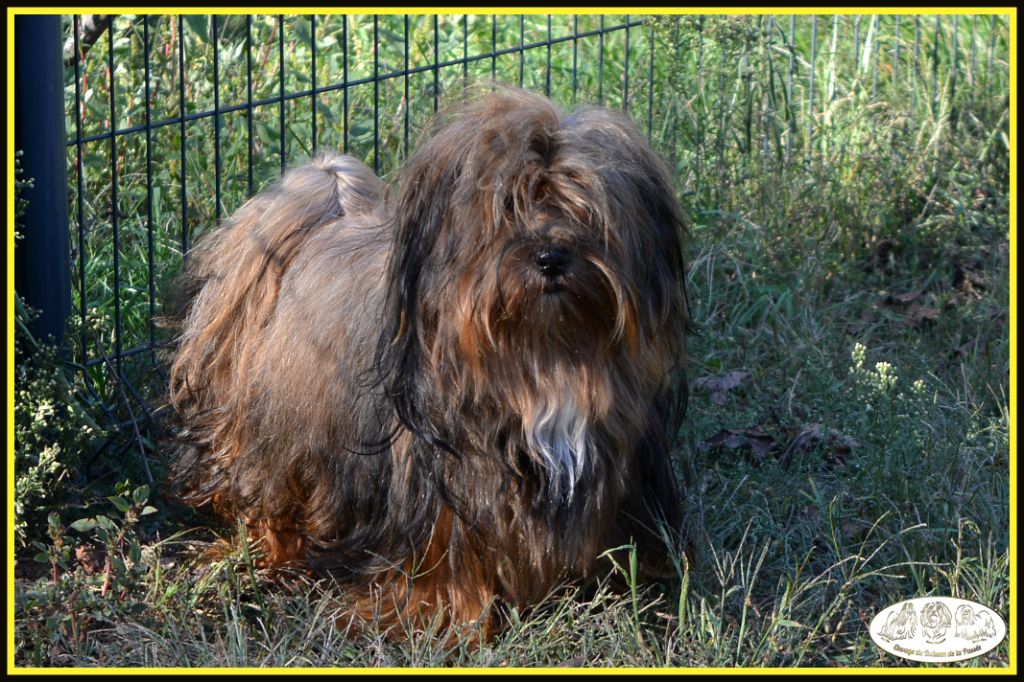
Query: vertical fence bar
x,y
600,61
953,113
700,94
856,44
575,56
280,86
408,103
437,74
522,48
625,73
114,223
547,71
672,110
249,114
184,132
344,78
149,194
770,104
650,89
216,120
935,67
312,77
789,89
746,144
465,50
494,47
810,84
79,112
376,95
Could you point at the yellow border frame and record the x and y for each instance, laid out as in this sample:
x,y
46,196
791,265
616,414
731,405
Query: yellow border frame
x,y
1011,12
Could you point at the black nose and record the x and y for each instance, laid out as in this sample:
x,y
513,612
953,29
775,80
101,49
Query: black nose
x,y
552,261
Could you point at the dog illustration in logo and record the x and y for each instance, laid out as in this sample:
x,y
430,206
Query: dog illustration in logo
x,y
900,624
935,620
974,626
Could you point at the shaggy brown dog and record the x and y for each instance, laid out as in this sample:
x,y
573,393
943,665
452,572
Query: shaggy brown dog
x,y
456,397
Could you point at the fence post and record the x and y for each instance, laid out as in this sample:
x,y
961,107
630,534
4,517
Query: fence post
x,y
42,266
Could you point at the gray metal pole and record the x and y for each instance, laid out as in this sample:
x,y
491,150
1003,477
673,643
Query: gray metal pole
x,y
42,265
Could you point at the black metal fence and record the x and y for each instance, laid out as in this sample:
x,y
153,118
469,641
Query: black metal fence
x,y
172,121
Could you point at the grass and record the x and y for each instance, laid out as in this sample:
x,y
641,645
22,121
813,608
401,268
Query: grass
x,y
849,260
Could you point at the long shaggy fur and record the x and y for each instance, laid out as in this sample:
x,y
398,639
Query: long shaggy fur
x,y
455,397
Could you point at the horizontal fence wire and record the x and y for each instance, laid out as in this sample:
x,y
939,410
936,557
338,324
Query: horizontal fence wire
x,y
343,84
174,121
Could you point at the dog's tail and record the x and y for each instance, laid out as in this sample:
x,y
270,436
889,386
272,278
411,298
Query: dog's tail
x,y
229,288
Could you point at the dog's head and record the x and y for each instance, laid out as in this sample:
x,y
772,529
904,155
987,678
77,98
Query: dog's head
x,y
536,281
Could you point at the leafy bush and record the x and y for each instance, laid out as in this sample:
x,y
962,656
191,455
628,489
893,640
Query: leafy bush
x,y
51,424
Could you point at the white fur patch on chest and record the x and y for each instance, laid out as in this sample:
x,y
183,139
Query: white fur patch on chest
x,y
560,435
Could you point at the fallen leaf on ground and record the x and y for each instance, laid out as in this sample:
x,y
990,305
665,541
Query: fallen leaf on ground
x,y
720,385
755,439
838,446
919,315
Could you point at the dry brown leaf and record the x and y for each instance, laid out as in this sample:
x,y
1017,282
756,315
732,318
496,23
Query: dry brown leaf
x,y
919,315
838,446
720,385
754,439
